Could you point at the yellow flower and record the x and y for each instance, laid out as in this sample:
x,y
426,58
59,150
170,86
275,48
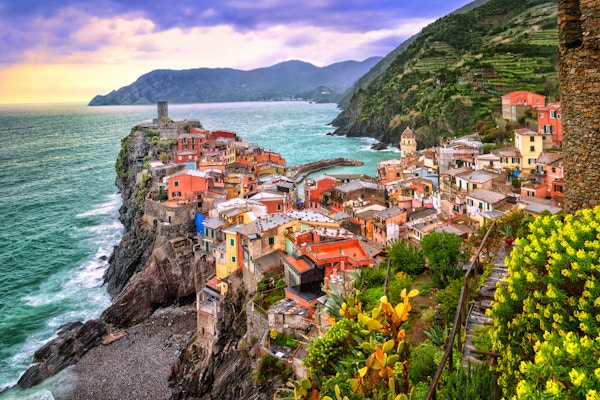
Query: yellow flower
x,y
592,395
552,387
576,377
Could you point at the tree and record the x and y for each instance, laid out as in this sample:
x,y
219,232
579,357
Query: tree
x,y
545,317
445,256
164,157
406,258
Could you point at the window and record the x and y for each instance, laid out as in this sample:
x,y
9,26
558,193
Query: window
x,y
271,241
480,206
553,114
504,160
531,148
278,207
547,128
515,160
397,174
176,194
531,194
541,115
470,202
176,183
474,186
553,169
531,161
531,139
199,197
232,259
232,242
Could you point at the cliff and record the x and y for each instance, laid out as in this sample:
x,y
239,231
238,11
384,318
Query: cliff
x,y
146,274
221,368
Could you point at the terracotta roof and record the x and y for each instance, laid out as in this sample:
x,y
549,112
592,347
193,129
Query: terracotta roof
x,y
300,265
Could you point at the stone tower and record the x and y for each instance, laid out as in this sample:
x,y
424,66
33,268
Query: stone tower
x,y
579,76
408,143
163,110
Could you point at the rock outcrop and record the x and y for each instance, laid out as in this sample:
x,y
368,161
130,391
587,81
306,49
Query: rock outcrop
x,y
223,370
65,350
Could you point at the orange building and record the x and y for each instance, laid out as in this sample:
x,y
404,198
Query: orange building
x,y
188,185
515,104
315,189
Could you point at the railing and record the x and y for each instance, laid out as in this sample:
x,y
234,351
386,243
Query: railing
x,y
471,281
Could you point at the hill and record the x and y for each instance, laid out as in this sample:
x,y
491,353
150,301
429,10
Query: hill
x,y
286,80
454,71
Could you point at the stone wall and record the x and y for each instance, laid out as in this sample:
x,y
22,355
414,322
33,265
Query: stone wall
x,y
182,215
579,75
257,323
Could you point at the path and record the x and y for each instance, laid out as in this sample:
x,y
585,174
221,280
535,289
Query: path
x,y
477,316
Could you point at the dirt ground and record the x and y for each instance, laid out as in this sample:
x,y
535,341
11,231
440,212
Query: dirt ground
x,y
420,303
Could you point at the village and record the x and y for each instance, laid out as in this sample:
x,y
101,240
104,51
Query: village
x,y
258,227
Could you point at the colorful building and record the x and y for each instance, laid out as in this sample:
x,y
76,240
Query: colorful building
x,y
515,104
550,122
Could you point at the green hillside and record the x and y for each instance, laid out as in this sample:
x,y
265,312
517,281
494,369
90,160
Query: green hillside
x,y
455,71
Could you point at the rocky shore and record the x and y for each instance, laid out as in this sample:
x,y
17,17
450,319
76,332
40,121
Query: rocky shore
x,y
136,366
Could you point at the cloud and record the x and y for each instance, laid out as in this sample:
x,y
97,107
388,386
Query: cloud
x,y
57,25
117,40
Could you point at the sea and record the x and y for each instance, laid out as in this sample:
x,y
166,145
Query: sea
x,y
59,204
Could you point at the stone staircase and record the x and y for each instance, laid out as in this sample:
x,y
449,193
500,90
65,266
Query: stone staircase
x,y
477,316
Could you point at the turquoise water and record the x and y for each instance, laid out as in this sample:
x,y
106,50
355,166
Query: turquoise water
x,y
60,205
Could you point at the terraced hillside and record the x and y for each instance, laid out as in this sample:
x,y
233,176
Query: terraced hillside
x,y
455,71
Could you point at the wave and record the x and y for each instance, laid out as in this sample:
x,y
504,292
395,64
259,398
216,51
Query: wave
x,y
108,208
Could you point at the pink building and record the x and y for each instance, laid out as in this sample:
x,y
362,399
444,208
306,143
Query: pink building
x,y
550,122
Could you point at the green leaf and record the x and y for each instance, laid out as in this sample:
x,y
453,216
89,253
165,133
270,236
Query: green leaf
x,y
387,346
305,384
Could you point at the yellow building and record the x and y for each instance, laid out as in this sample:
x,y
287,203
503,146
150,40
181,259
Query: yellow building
x,y
510,158
408,143
229,257
530,144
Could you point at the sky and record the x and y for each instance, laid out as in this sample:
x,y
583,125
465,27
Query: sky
x,y
72,50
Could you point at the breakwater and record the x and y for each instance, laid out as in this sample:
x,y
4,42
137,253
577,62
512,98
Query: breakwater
x,y
298,172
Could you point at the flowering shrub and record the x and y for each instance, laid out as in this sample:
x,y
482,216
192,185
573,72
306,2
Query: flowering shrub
x,y
546,319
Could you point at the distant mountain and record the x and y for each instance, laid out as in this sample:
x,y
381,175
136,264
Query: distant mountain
x,y
286,80
449,77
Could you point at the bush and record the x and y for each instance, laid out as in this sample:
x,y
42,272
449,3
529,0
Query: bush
x,y
399,282
269,367
545,318
447,300
474,383
423,362
481,338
